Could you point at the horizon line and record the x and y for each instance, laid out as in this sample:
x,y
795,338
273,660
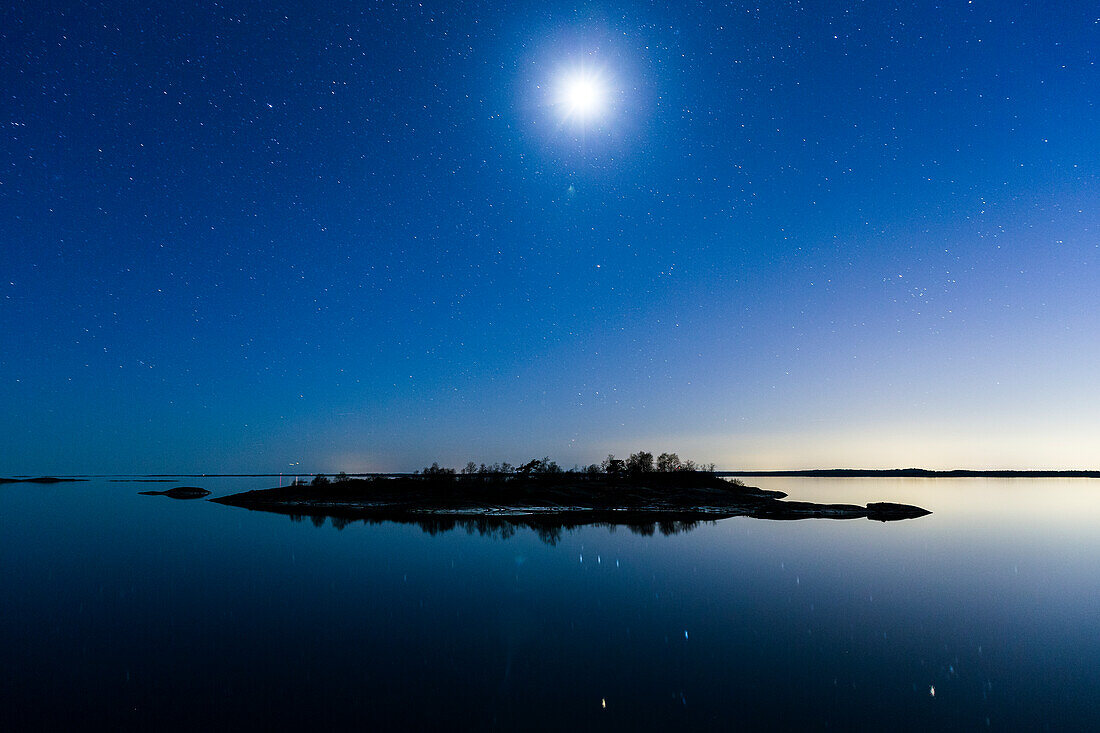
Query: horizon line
x,y
807,472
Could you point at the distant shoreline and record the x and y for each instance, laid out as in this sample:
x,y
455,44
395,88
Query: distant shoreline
x,y
912,473
807,473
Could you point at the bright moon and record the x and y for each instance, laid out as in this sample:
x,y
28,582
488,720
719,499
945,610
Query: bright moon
x,y
582,95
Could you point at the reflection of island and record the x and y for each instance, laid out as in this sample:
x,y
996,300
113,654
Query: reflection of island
x,y
40,480
546,501
548,526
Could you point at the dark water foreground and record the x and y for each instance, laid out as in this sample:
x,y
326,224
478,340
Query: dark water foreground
x,y
120,611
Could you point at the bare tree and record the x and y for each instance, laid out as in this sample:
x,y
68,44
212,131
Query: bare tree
x,y
436,470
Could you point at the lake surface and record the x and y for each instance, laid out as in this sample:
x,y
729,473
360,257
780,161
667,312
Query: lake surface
x,y
142,612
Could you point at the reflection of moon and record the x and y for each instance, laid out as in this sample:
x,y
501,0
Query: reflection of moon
x,y
582,95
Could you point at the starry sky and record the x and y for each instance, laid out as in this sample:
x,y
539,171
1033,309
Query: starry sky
x,y
271,236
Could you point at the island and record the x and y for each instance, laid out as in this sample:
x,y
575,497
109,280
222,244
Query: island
x,y
180,492
539,494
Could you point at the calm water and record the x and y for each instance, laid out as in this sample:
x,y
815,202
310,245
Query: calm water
x,y
143,612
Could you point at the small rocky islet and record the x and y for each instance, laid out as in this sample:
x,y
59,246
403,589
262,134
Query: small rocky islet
x,y
180,492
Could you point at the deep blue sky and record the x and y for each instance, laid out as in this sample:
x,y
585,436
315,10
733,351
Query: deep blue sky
x,y
362,236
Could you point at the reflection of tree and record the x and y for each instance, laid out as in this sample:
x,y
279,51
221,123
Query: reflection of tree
x,y
549,529
550,535
668,528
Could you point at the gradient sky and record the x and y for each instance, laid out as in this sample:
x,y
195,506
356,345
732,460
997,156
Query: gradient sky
x,y
264,236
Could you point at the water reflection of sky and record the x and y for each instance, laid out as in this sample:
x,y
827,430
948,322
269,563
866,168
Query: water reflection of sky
x,y
141,611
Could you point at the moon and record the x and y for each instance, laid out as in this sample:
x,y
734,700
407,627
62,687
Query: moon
x,y
582,95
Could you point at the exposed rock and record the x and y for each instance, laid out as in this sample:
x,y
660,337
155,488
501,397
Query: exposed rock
x,y
885,511
180,492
